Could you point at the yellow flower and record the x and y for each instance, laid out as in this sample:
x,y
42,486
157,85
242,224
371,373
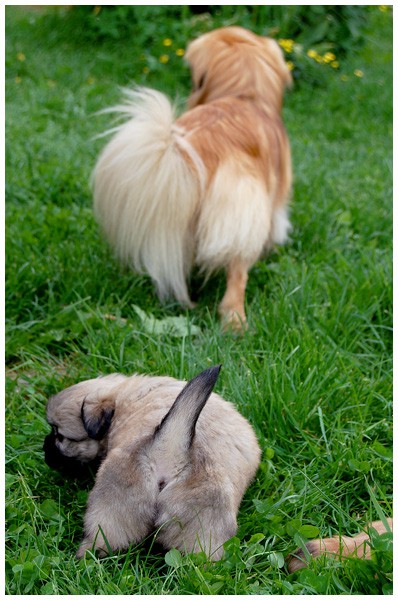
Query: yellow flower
x,y
167,42
180,51
328,57
312,53
18,79
344,78
383,8
335,64
97,10
358,73
21,56
290,65
287,45
164,58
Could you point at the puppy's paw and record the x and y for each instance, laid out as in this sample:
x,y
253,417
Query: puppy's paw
x,y
100,551
82,550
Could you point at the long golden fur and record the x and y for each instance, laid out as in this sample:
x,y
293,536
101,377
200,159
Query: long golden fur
x,y
209,188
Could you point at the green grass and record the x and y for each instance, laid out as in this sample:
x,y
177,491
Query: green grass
x,y
313,374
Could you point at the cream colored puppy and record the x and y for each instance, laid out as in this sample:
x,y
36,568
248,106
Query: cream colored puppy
x,y
176,458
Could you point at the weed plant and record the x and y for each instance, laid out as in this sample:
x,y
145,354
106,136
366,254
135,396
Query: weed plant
x,y
313,374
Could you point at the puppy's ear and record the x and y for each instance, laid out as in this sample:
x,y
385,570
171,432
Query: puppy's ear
x,y
97,414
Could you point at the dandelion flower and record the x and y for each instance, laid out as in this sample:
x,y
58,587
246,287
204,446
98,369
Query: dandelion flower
x,y
180,51
312,53
290,65
287,45
167,42
329,57
344,78
335,64
164,58
21,56
358,73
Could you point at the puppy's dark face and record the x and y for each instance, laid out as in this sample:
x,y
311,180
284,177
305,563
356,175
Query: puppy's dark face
x,y
80,417
70,467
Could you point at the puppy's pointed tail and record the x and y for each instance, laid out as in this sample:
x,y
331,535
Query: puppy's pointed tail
x,y
174,436
147,184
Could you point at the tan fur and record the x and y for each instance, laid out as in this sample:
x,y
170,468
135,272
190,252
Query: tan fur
x,y
192,493
338,547
211,187
234,61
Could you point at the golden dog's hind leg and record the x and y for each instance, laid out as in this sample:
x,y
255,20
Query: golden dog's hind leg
x,y
232,306
338,547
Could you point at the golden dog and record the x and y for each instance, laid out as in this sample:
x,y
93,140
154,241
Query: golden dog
x,y
210,188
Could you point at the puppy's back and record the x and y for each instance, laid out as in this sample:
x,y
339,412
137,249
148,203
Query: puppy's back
x,y
221,433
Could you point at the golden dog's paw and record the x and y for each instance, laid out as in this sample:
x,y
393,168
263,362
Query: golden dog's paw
x,y
338,546
233,322
313,549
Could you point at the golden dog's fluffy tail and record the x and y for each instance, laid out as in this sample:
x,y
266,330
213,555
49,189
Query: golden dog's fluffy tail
x,y
146,192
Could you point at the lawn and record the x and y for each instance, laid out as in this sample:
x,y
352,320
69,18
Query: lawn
x,y
313,374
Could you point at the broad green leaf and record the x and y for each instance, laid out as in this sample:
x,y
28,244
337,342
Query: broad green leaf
x,y
174,326
256,538
173,558
269,453
293,526
276,559
309,531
